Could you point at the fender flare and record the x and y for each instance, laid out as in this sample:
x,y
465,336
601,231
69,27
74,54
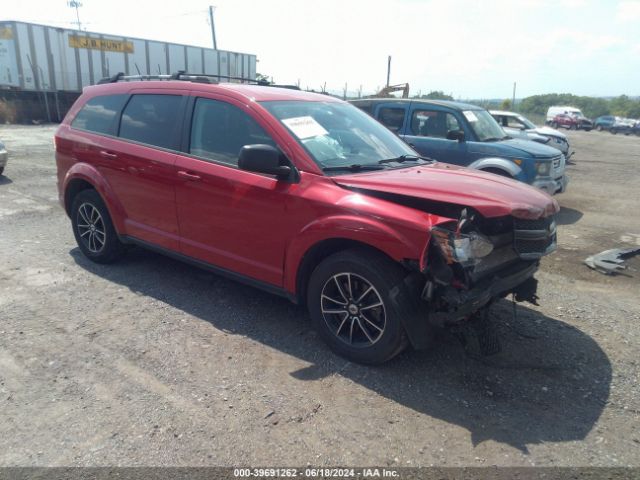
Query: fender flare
x,y
91,175
351,227
496,162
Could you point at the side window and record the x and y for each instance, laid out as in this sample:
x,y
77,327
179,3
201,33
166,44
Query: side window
x,y
219,130
432,123
392,118
99,114
151,119
513,122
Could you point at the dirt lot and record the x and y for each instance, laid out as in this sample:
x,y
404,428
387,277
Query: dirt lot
x,y
152,362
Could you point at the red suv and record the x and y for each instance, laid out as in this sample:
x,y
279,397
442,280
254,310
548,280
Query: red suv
x,y
302,195
572,122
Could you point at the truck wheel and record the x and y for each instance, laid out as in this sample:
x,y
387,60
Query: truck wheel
x,y
599,128
93,228
573,127
614,131
1,170
351,307
497,171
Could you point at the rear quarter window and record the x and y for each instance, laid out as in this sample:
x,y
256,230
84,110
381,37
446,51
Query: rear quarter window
x,y
100,114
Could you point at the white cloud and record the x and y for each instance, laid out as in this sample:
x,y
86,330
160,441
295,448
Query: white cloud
x,y
628,11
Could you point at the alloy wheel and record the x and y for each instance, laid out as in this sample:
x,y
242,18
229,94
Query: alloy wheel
x,y
353,309
91,227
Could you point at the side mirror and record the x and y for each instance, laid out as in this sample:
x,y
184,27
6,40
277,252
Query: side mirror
x,y
455,135
260,158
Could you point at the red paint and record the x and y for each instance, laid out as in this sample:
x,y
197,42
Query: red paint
x,y
254,224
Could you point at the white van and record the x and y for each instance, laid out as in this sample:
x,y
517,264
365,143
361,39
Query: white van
x,y
553,111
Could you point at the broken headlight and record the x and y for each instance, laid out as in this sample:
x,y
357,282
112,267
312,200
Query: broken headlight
x,y
463,248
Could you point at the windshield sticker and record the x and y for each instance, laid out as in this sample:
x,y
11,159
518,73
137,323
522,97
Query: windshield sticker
x,y
470,116
304,127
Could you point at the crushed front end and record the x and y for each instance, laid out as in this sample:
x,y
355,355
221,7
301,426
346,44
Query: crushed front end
x,y
474,261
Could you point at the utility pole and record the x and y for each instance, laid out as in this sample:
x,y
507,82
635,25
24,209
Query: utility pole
x,y
513,99
213,27
388,69
75,4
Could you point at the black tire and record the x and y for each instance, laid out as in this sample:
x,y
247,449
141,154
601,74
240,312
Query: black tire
x,y
573,127
599,128
93,228
358,340
497,171
1,170
554,125
614,131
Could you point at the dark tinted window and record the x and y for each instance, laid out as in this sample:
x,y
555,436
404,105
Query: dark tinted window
x,y
220,130
392,118
151,119
432,123
99,114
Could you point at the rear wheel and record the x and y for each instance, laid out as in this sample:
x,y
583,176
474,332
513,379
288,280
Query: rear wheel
x,y
350,302
93,228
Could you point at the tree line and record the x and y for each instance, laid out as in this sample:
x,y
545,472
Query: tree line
x,y
622,106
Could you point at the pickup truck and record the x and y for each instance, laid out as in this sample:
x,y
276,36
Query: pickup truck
x,y
467,135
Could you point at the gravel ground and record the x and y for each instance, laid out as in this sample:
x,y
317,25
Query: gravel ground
x,y
153,362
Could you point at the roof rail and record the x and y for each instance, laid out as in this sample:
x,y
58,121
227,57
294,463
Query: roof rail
x,y
190,77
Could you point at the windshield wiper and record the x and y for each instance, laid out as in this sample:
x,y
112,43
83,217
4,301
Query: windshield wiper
x,y
406,158
496,139
356,167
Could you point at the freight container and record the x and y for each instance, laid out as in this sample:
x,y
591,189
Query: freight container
x,y
41,58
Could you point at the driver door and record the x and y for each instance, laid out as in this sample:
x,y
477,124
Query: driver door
x,y
427,133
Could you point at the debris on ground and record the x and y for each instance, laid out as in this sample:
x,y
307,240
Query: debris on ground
x,y
611,261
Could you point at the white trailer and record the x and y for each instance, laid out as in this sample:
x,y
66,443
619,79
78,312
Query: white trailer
x,y
50,59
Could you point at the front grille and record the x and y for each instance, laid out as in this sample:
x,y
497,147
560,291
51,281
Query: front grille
x,y
534,238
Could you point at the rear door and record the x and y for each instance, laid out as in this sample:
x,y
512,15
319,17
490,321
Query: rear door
x,y
231,218
140,165
427,131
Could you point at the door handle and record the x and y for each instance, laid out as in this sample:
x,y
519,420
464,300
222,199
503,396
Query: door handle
x,y
188,175
109,155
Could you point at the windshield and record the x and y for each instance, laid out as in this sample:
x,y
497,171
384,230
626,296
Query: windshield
x,y
484,125
338,134
526,122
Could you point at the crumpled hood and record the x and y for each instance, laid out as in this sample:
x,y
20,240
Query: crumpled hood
x,y
491,195
551,132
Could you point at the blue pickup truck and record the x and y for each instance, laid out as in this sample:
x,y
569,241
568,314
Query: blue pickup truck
x,y
467,135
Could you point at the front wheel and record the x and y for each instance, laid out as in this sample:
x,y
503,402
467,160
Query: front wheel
x,y
93,228
352,307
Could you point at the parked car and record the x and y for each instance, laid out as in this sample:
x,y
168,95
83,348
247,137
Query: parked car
x,y
572,122
624,125
518,126
302,195
4,156
467,135
557,110
604,122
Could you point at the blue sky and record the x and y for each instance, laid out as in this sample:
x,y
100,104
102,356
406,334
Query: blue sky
x,y
471,49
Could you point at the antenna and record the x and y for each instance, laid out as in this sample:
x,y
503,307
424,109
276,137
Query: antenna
x,y
75,4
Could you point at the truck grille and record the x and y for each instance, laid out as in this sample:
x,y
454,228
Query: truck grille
x,y
534,238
